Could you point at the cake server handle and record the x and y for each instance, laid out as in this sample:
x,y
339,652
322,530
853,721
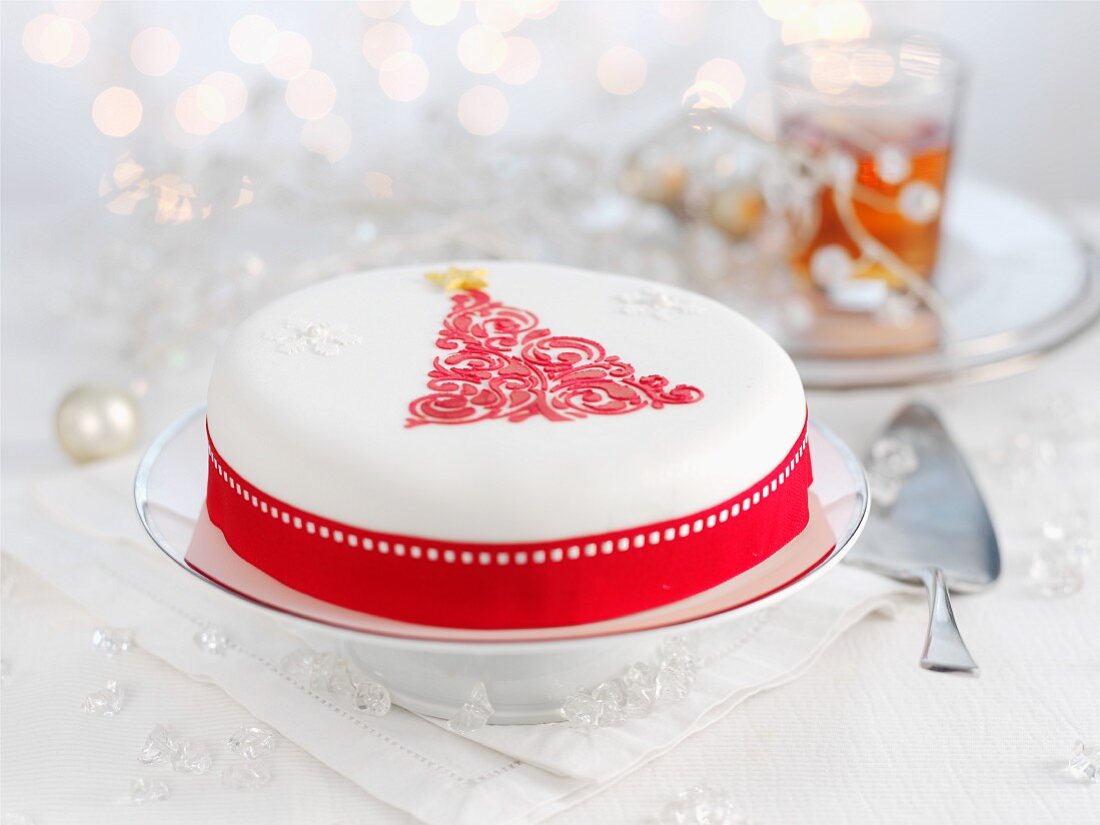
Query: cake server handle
x,y
944,649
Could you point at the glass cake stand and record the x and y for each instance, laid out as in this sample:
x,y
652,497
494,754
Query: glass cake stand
x,y
1015,281
529,673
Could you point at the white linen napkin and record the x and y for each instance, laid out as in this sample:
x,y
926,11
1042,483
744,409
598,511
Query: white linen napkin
x,y
78,530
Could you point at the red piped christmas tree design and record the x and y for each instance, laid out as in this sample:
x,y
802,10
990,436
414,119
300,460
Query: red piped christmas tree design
x,y
498,363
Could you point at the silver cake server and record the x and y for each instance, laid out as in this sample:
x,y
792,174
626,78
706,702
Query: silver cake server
x,y
936,532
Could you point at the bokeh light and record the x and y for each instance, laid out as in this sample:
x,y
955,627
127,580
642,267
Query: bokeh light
x,y
830,72
379,9
174,199
253,39
127,172
831,20
521,61
311,95
379,185
706,94
233,91
726,74
125,202
81,43
117,111
383,40
155,51
55,40
621,70
82,10
539,9
291,56
481,49
124,187
200,109
435,12
920,56
872,67
403,77
502,15
681,10
483,110
784,9
329,137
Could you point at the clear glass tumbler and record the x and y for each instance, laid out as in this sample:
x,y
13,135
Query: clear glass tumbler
x,y
875,119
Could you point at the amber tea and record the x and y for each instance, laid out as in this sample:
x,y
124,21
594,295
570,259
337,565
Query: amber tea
x,y
898,169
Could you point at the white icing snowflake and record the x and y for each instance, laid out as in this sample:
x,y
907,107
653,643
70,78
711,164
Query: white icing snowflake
x,y
656,303
319,337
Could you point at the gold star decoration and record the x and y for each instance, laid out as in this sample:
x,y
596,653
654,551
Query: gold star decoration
x,y
455,277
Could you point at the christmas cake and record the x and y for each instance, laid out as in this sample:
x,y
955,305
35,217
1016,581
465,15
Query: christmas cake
x,y
504,445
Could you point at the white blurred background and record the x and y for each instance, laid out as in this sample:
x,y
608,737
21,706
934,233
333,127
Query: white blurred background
x,y
169,165
1030,119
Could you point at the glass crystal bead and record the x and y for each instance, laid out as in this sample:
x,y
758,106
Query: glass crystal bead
x,y
894,456
246,776
700,805
673,683
640,684
1056,570
162,746
148,790
474,713
885,488
158,746
212,639
371,698
112,640
106,702
675,651
191,757
252,742
612,696
1084,762
331,675
298,664
637,691
582,710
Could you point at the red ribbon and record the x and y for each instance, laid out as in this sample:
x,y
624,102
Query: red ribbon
x,y
492,586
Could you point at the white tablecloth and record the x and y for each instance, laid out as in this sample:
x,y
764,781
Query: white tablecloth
x,y
864,736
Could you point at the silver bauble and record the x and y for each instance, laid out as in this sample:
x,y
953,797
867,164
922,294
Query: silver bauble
x,y
97,422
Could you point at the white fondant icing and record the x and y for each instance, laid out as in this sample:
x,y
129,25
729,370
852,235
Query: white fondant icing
x,y
328,435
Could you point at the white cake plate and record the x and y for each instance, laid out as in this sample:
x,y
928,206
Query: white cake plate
x,y
1015,280
529,672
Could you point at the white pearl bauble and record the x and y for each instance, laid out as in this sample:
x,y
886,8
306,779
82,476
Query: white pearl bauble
x,y
97,422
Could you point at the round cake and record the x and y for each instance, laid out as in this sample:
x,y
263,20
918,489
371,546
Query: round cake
x,y
504,445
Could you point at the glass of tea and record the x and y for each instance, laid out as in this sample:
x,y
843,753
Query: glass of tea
x,y
874,119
